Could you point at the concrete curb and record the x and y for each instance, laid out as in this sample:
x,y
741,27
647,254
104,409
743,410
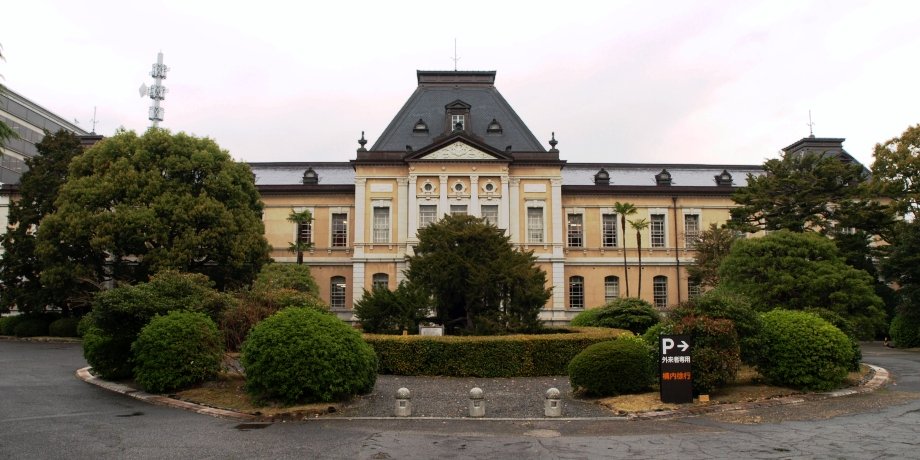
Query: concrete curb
x,y
880,378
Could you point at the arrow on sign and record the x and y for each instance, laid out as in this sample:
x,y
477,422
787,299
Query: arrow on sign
x,y
683,345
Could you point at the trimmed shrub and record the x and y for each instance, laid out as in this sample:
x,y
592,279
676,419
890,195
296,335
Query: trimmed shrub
x,y
382,311
64,327
515,355
720,304
628,313
302,355
176,351
119,314
8,324
801,350
236,321
847,328
31,326
620,366
651,336
716,354
905,330
276,276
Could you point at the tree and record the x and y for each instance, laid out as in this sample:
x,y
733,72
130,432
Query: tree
x,y
896,171
711,247
624,209
134,205
20,269
803,192
298,247
802,271
391,312
475,277
902,266
638,226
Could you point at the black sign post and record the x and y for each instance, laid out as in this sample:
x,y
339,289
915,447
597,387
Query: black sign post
x,y
675,377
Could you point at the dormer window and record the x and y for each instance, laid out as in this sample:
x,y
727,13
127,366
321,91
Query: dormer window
x,y
420,127
724,179
663,178
310,177
458,122
494,127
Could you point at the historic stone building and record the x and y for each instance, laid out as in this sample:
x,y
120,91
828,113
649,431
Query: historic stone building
x,y
458,147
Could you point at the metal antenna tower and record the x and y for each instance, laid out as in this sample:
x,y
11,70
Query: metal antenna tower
x,y
157,92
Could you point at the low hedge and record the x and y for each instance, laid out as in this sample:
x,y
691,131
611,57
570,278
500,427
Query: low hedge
x,y
485,356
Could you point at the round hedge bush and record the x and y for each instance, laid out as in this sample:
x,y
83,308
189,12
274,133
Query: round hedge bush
x,y
620,366
720,304
635,315
177,350
64,327
905,330
801,350
303,355
716,354
31,327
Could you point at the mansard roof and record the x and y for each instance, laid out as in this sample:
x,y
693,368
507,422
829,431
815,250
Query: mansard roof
x,y
436,91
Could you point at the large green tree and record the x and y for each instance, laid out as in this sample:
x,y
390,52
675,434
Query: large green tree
x,y
20,269
802,271
478,281
896,170
134,205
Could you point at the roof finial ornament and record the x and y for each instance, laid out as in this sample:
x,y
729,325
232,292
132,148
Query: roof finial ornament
x,y
811,126
455,58
552,143
362,141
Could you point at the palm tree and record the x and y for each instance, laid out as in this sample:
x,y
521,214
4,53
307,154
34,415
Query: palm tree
x,y
298,246
639,225
624,209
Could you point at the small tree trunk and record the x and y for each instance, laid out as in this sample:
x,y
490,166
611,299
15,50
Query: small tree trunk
x,y
639,246
299,257
625,268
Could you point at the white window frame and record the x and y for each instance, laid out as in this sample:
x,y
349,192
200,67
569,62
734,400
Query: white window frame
x,y
660,291
616,229
332,230
536,235
575,239
691,236
611,288
380,228
338,292
457,212
424,222
455,118
576,281
296,237
482,213
380,279
658,238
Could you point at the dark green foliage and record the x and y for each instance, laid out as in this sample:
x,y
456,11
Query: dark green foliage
x,y
476,278
798,271
896,171
719,303
135,205
847,328
713,245
382,311
302,355
254,306
652,336
485,356
902,266
119,314
31,327
801,350
621,366
175,351
716,353
64,327
276,276
8,324
635,315
905,330
20,269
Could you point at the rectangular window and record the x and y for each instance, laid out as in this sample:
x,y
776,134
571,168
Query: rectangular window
x,y
660,291
458,210
534,225
381,225
305,232
576,235
657,230
490,213
576,293
427,215
339,230
454,119
691,229
609,230
694,289
337,292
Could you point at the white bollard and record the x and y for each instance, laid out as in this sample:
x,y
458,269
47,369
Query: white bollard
x,y
552,406
477,404
403,402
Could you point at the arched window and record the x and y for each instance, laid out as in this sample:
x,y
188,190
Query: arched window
x,y
660,291
337,292
381,280
576,293
611,288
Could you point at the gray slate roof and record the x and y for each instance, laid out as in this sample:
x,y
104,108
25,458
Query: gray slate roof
x,y
292,173
644,174
436,90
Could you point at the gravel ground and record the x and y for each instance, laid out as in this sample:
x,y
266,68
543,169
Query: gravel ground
x,y
449,397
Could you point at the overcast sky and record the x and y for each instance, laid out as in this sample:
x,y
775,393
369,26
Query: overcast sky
x,y
726,82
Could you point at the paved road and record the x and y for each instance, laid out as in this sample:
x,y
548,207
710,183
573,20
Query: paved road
x,y
47,413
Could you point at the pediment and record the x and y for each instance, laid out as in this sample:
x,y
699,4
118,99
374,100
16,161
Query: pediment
x,y
459,151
